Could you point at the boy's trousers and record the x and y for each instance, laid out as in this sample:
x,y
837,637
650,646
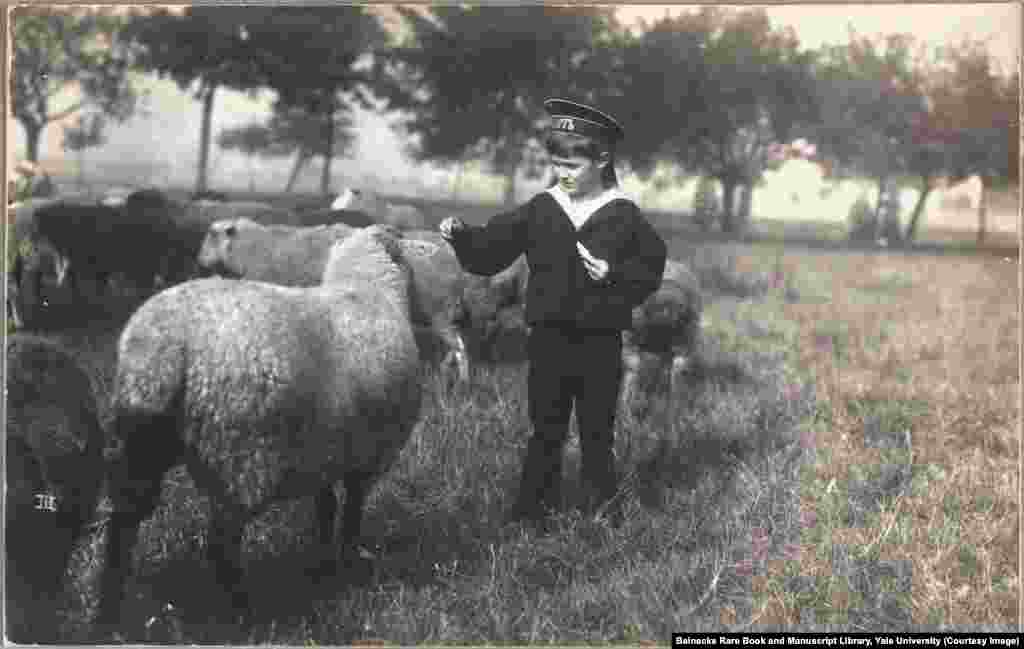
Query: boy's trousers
x,y
570,365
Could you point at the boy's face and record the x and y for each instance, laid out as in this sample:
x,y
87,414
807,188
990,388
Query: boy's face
x,y
579,175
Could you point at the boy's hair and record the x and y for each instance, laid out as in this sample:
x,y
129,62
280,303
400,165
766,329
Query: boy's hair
x,y
569,145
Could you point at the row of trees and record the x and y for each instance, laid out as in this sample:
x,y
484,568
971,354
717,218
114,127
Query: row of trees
x,y
711,91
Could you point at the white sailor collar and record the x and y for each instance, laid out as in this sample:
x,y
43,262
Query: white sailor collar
x,y
579,212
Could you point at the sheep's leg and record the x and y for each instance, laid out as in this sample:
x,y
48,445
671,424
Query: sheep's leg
x,y
135,480
630,376
326,512
455,345
225,552
357,486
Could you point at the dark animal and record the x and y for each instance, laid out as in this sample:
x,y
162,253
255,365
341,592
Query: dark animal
x,y
265,393
353,218
140,239
54,472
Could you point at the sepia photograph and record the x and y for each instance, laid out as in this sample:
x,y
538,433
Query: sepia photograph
x,y
510,323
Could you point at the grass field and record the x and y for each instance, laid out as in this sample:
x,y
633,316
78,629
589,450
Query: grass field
x,y
843,455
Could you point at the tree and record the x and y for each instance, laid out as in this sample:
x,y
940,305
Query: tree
x,y
65,50
971,125
471,80
86,134
319,59
205,48
872,99
711,90
291,131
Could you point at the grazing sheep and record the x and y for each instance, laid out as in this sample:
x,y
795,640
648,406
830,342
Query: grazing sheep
x,y
54,472
353,218
296,257
139,240
32,259
265,393
206,212
406,217
487,300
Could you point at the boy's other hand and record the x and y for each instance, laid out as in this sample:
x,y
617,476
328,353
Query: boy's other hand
x,y
596,268
450,226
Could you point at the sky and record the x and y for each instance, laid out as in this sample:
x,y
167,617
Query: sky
x,y
166,139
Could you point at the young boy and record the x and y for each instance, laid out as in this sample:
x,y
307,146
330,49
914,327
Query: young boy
x,y
592,259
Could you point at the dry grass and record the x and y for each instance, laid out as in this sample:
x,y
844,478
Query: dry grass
x,y
927,345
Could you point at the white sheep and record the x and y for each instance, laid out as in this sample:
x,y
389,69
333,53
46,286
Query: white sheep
x,y
294,256
265,393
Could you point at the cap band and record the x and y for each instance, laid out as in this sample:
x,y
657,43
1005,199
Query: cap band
x,y
580,126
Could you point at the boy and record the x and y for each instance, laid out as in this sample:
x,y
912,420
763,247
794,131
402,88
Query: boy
x,y
592,259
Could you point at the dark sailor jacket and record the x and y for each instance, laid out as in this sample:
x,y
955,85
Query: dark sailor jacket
x,y
560,291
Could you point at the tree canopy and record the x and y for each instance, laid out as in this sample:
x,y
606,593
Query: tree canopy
x,y
76,50
471,81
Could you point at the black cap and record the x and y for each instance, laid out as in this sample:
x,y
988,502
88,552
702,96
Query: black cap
x,y
574,117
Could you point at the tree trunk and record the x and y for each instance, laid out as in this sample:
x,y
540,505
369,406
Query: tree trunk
x,y
301,160
325,179
982,212
879,206
204,137
33,135
512,157
915,216
728,196
746,202
510,185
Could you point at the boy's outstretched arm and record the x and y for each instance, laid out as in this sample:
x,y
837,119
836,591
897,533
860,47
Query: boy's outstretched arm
x,y
488,249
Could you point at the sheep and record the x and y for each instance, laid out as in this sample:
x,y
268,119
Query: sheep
x,y
54,472
291,256
354,218
31,259
406,217
206,212
101,241
265,393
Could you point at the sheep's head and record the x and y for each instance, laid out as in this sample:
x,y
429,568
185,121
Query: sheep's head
x,y
215,252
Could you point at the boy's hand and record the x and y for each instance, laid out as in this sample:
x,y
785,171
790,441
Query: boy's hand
x,y
450,226
596,268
